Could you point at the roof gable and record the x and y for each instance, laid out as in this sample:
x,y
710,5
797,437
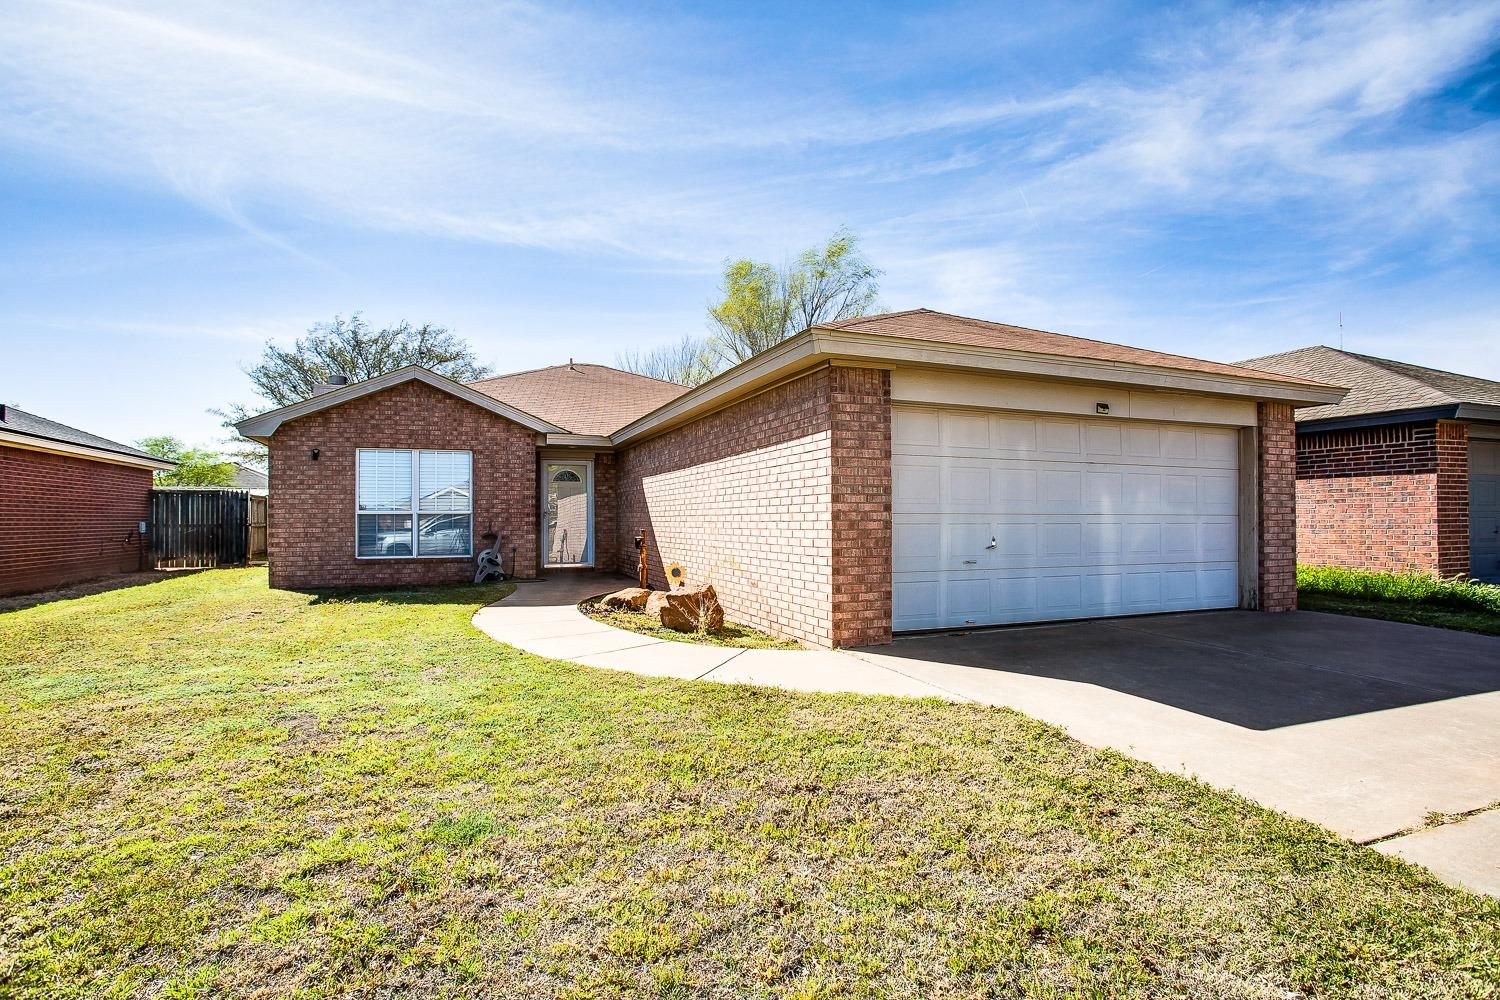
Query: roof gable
x,y
262,426
926,324
584,399
1378,385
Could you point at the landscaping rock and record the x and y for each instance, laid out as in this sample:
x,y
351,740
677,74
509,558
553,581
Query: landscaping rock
x,y
655,601
629,599
692,609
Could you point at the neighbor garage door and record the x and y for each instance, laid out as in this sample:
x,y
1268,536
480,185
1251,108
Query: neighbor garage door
x,y
1484,510
1011,517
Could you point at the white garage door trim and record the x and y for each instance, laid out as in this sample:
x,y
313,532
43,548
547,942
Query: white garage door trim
x,y
1015,517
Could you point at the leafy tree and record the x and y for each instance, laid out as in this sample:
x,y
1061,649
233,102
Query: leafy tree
x,y
763,305
195,466
345,347
760,305
351,347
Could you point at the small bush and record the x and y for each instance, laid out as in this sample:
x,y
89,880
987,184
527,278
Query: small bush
x,y
1410,588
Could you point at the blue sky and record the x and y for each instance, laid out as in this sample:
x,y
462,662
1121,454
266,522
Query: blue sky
x,y
181,182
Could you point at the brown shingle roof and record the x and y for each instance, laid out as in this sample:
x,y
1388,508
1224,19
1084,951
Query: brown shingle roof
x,y
924,324
586,399
1377,385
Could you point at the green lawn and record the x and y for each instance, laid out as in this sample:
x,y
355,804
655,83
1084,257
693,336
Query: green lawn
x,y
213,789
1416,598
1472,620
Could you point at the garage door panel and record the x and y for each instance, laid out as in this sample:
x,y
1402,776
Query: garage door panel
x,y
1086,517
916,484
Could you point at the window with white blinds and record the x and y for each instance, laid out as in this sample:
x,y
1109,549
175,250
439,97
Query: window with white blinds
x,y
413,503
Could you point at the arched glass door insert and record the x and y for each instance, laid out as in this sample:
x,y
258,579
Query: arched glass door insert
x,y
568,513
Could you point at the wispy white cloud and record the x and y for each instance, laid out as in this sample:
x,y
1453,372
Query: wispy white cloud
x,y
595,133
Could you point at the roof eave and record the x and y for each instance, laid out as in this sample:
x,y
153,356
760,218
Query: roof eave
x,y
262,426
822,344
53,446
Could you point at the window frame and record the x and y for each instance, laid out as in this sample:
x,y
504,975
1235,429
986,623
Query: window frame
x,y
415,510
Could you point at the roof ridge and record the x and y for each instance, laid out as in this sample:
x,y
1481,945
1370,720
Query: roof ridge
x,y
839,324
573,364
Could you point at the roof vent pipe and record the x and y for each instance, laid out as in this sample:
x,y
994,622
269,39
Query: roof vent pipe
x,y
338,380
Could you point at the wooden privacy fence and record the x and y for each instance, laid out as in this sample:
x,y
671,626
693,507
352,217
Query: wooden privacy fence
x,y
193,529
257,527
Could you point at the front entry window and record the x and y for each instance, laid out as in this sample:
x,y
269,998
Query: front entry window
x,y
569,514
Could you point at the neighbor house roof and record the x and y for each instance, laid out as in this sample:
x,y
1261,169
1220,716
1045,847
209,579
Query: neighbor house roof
x,y
17,427
585,399
246,478
1382,386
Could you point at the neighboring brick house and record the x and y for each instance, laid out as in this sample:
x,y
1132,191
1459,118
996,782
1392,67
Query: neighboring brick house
x,y
1403,473
71,503
898,472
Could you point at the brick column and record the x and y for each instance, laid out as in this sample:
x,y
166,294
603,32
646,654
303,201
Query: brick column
x,y
1276,455
1452,498
860,441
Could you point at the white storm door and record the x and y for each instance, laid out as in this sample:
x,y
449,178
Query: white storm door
x,y
568,513
1016,517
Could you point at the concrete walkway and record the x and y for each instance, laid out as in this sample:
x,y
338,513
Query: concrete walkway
x,y
542,617
1362,726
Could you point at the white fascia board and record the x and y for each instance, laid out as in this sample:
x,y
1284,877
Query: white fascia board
x,y
29,443
870,350
579,441
261,427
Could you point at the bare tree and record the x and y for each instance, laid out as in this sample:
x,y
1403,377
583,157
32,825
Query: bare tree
x,y
688,362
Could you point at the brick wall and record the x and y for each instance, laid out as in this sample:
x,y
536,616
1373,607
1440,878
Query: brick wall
x,y
65,519
860,425
1276,454
605,510
1389,499
1452,487
742,498
311,513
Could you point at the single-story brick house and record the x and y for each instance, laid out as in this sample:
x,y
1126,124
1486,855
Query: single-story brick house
x,y
1404,473
906,471
71,503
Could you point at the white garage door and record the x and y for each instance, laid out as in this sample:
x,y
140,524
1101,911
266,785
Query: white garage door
x,y
1017,517
1484,510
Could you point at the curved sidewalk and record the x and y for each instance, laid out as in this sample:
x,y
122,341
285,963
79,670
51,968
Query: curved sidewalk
x,y
542,617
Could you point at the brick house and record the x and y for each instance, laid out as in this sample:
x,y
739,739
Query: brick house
x,y
71,503
1404,473
899,472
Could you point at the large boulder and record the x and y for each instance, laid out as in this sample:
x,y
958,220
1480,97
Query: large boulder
x,y
655,601
691,609
629,599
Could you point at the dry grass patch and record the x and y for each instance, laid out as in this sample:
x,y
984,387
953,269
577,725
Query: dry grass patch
x,y
732,634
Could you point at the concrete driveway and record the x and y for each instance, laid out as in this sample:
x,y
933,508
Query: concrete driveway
x,y
1367,727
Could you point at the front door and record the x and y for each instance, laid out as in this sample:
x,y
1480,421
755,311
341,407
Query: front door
x,y
568,513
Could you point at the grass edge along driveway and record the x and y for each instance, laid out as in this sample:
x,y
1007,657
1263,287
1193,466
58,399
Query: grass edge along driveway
x,y
215,789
